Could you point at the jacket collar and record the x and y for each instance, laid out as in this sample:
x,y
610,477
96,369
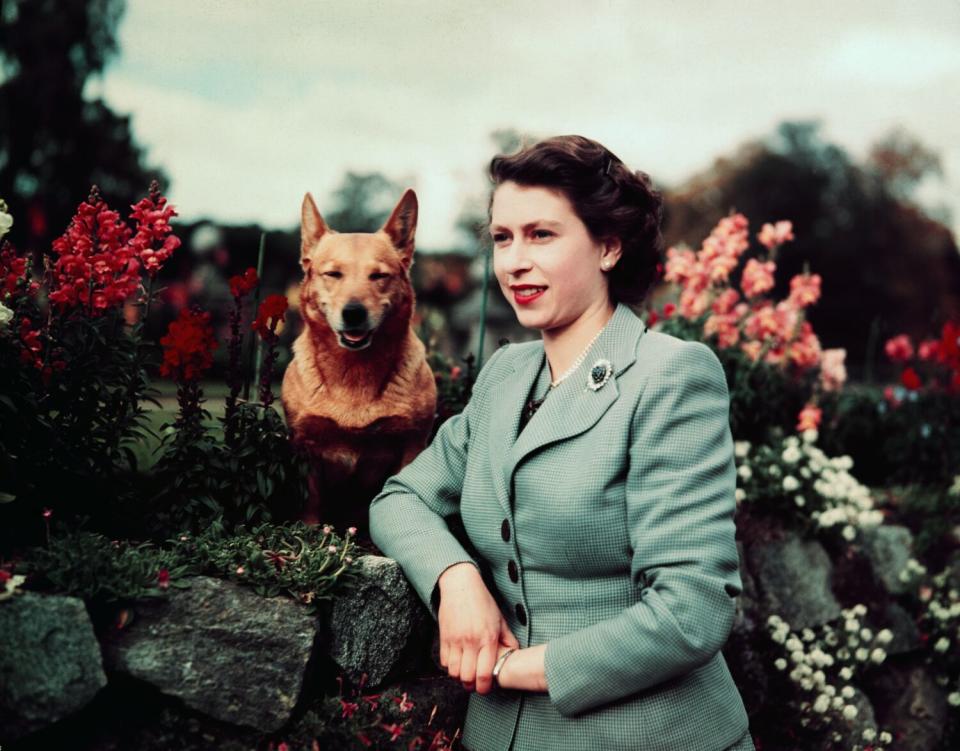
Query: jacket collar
x,y
569,410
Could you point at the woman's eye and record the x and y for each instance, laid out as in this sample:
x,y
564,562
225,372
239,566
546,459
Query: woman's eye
x,y
334,274
542,232
498,237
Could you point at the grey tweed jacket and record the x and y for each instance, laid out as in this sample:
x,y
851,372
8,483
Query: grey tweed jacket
x,y
604,530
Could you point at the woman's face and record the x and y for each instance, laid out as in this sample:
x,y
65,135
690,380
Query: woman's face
x,y
539,240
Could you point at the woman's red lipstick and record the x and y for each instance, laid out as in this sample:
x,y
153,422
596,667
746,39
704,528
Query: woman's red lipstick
x,y
525,300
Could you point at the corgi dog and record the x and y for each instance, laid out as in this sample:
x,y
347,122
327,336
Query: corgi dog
x,y
359,396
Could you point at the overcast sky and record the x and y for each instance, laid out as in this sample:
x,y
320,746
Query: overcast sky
x,y
248,105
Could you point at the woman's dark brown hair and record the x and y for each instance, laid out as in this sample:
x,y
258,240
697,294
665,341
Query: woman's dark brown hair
x,y
609,198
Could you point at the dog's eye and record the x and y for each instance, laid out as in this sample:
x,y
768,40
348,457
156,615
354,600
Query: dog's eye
x,y
378,275
334,274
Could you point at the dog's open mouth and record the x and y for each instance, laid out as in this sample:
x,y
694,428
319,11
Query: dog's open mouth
x,y
355,340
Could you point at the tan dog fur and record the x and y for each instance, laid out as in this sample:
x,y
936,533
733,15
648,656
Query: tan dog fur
x,y
360,414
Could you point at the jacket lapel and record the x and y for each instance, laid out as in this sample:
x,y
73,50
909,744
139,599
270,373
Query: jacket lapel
x,y
568,410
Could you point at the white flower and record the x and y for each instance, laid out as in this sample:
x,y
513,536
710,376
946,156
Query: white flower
x,y
809,435
954,698
850,711
942,645
869,734
847,692
866,634
744,471
852,625
741,448
863,654
878,655
780,663
806,684
774,470
739,495
793,644
846,673
860,609
885,737
822,704
808,634
6,221
885,636
791,455
849,533
799,500
790,483
6,315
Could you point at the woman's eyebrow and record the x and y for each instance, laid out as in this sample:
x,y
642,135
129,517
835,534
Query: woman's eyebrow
x,y
528,225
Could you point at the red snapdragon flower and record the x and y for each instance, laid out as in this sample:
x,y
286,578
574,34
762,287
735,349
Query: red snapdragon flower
x,y
271,312
154,242
163,578
99,257
243,284
188,346
910,379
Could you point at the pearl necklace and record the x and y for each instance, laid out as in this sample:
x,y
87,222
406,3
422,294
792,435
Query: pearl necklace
x,y
576,363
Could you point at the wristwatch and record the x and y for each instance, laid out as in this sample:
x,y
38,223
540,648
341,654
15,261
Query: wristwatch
x,y
499,663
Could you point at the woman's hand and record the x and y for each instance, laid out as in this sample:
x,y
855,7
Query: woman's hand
x,y
524,669
472,628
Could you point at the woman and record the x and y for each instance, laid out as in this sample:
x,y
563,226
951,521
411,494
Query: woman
x,y
593,474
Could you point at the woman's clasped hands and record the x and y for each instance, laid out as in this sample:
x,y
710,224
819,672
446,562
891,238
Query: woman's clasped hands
x,y
473,631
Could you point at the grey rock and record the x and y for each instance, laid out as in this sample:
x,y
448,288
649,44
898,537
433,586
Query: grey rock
x,y
913,707
221,648
906,635
746,603
50,663
888,548
851,731
383,617
794,579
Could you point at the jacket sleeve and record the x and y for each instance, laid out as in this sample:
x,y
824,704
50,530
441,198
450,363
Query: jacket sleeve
x,y
680,507
408,517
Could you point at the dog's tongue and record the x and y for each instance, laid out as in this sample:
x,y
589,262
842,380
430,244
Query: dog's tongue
x,y
353,337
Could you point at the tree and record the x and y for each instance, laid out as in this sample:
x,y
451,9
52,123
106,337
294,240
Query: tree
x,y
887,267
54,144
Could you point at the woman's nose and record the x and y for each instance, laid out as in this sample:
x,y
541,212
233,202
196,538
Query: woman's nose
x,y
515,256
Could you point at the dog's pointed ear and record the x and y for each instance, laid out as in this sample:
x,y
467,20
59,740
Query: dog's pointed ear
x,y
402,225
312,228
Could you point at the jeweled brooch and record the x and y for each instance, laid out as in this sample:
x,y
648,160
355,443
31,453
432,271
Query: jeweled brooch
x,y
600,373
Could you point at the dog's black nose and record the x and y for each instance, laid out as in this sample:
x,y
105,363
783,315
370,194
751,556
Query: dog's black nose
x,y
354,314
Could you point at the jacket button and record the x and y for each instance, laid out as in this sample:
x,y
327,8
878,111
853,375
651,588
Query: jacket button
x,y
505,530
521,615
512,570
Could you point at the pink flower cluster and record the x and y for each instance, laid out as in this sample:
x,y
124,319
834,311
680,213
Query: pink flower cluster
x,y
777,333
100,257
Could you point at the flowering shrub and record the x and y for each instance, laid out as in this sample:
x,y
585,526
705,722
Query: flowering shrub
x,y
386,719
454,383
937,359
798,481
307,563
940,632
253,472
753,334
75,372
822,664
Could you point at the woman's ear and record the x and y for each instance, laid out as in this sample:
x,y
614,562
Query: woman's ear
x,y
612,250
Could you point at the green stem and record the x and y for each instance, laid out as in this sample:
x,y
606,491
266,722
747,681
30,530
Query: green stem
x,y
483,308
256,348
